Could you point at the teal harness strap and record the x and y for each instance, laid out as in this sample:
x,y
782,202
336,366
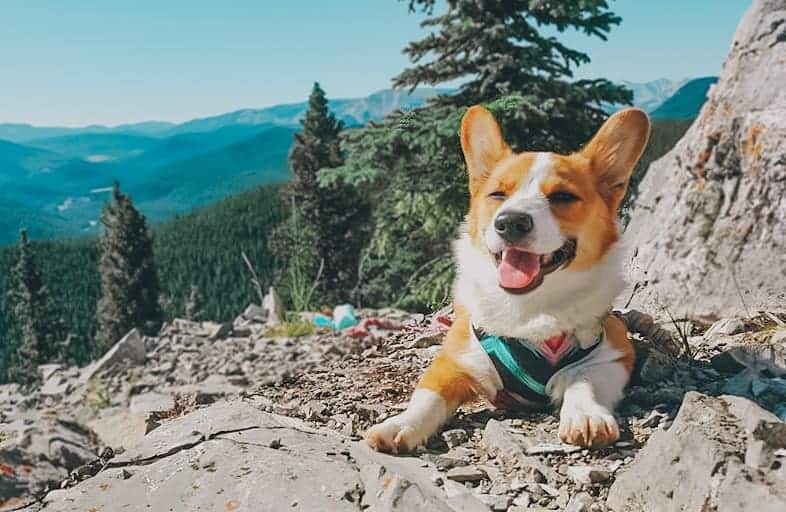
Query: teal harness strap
x,y
524,371
498,349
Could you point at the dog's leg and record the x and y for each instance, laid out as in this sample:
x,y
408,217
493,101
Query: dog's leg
x,y
443,388
589,393
587,412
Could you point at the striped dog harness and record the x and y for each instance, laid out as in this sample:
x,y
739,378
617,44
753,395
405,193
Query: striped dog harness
x,y
524,369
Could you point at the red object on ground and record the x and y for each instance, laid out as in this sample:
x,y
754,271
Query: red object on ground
x,y
443,322
362,329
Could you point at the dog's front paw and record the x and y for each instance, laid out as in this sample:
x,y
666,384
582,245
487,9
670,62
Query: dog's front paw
x,y
396,435
593,426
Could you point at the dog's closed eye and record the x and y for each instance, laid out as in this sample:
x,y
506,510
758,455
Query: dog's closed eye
x,y
498,195
562,197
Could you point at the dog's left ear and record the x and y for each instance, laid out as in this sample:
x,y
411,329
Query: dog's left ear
x,y
614,151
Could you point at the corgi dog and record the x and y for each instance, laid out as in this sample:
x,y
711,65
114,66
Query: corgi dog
x,y
539,265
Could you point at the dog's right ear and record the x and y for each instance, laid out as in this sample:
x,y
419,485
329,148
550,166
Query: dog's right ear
x,y
482,144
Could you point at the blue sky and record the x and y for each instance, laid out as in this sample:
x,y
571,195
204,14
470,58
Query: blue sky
x,y
77,62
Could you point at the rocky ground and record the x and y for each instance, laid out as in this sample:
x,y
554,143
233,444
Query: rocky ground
x,y
224,417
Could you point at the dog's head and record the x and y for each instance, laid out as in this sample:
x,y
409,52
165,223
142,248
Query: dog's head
x,y
538,213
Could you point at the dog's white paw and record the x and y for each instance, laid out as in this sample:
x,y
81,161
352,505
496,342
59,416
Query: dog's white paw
x,y
588,425
396,435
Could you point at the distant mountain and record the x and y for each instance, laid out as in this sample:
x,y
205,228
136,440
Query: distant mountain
x,y
16,132
353,111
649,95
687,101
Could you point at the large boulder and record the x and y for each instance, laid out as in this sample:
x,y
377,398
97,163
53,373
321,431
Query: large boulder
x,y
708,228
721,453
232,456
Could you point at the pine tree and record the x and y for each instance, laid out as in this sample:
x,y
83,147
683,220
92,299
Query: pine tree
x,y
129,280
34,317
497,49
409,165
331,216
194,309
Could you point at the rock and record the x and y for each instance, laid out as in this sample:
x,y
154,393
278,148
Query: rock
x,y
466,474
272,307
656,367
56,385
707,227
458,456
588,474
220,458
778,337
497,441
181,326
47,370
579,502
313,410
770,358
151,401
129,351
725,327
426,339
402,484
253,313
546,448
119,427
38,456
216,331
455,437
697,465
496,502
371,412
209,390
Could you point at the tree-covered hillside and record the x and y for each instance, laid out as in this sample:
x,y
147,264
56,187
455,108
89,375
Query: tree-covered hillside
x,y
201,249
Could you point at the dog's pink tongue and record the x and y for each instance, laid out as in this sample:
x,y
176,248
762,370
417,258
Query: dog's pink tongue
x,y
517,269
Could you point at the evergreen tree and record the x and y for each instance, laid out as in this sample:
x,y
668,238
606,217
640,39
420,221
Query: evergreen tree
x,y
129,280
409,165
194,307
497,49
37,324
332,216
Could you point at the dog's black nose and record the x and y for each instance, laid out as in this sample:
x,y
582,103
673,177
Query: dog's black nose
x,y
512,226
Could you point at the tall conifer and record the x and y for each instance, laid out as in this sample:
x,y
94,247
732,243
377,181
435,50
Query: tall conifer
x,y
129,280
36,321
331,217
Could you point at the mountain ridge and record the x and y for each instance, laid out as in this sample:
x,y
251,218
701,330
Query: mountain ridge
x,y
355,110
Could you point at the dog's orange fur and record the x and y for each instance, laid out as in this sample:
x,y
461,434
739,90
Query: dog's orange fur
x,y
598,175
617,334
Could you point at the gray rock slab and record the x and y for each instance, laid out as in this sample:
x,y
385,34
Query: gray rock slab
x,y
707,229
232,456
129,351
697,465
